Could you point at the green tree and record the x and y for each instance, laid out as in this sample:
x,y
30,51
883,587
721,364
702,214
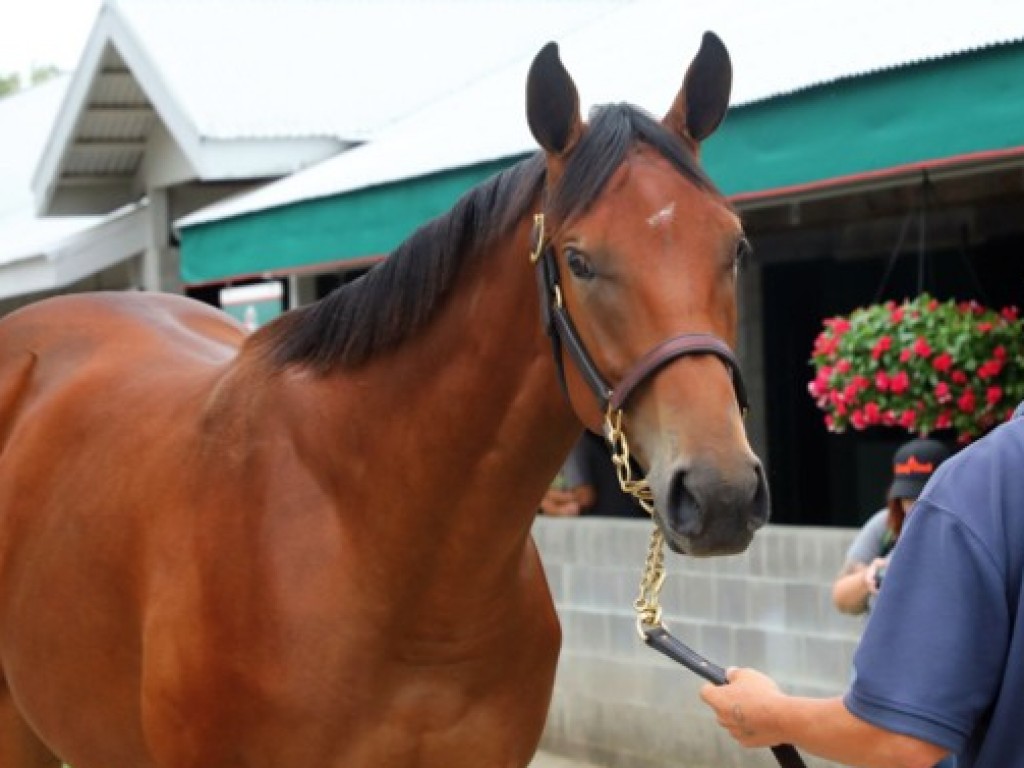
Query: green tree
x,y
11,82
40,74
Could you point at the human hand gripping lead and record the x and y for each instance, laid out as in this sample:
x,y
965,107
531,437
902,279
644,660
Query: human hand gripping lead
x,y
745,708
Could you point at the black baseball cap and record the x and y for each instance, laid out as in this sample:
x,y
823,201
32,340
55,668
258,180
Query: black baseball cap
x,y
913,464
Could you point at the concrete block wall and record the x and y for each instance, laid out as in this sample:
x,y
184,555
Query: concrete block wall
x,y
619,703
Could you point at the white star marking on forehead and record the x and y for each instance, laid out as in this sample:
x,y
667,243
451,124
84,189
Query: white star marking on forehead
x,y
663,216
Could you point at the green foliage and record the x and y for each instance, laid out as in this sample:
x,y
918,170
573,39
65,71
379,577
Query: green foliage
x,y
41,74
11,82
922,365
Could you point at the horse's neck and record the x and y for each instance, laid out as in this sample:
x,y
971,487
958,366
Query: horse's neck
x,y
465,419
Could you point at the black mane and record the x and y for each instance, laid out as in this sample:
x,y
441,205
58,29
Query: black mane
x,y
383,307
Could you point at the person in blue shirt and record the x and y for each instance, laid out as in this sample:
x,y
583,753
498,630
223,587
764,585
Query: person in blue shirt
x,y
940,666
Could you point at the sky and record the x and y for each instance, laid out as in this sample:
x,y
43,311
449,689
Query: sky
x,y
40,32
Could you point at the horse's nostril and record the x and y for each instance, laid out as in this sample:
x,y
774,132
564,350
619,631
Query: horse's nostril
x,y
683,509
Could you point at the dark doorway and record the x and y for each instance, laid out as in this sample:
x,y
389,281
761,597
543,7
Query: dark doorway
x,y
820,478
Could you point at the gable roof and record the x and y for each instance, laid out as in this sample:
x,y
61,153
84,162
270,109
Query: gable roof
x,y
243,89
43,254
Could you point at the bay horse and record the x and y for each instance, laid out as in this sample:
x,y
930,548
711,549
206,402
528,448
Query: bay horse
x,y
310,546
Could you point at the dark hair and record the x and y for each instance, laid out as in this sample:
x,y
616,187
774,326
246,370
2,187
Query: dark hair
x,y
896,517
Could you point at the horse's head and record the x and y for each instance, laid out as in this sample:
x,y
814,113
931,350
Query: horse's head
x,y
643,252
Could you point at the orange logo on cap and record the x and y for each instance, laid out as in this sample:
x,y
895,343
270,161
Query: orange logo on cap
x,y
914,467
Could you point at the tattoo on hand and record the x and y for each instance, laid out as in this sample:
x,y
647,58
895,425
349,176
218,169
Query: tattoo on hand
x,y
741,720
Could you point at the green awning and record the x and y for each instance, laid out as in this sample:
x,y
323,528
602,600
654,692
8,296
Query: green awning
x,y
354,226
966,106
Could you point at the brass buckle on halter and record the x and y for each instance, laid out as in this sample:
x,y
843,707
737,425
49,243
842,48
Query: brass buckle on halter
x,y
537,237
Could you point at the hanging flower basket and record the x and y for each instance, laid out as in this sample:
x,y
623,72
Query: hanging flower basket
x,y
923,365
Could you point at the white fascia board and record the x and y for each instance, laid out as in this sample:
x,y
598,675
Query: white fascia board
x,y
117,238
25,276
232,159
48,169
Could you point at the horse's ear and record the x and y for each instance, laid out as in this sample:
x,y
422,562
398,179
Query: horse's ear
x,y
701,103
552,104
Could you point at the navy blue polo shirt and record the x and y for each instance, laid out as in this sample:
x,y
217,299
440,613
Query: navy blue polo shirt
x,y
942,656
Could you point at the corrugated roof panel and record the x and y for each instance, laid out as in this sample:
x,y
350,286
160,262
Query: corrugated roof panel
x,y
24,120
345,68
639,54
114,159
116,123
117,88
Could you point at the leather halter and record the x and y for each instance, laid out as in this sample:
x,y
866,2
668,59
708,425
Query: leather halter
x,y
560,329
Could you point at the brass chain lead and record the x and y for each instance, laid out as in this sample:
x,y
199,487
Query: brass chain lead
x,y
647,604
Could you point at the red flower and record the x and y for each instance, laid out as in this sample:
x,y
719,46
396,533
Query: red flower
x,y
993,395
882,381
843,366
872,413
984,327
942,362
899,382
944,420
906,354
999,353
942,393
908,418
839,325
896,315
958,377
825,345
857,419
921,347
966,402
1009,313
989,368
882,346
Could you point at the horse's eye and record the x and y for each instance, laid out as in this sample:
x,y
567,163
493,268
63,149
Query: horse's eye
x,y
578,264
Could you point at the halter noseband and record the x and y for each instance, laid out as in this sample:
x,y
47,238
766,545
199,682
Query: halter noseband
x,y
560,329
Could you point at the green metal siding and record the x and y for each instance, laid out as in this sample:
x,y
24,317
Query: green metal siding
x,y
941,109
364,223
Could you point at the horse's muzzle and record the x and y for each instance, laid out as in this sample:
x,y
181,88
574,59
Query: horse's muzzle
x,y
703,510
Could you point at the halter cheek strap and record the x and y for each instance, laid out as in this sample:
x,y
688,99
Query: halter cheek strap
x,y
560,329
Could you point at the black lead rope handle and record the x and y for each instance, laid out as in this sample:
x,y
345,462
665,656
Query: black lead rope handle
x,y
660,639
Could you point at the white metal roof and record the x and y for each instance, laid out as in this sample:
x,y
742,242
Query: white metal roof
x,y
42,254
25,118
259,88
346,68
639,53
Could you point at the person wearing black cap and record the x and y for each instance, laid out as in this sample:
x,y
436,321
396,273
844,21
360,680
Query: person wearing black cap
x,y
859,580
